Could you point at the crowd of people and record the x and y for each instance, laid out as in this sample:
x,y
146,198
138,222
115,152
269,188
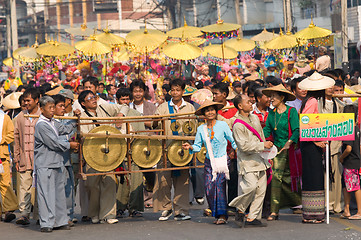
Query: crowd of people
x,y
254,107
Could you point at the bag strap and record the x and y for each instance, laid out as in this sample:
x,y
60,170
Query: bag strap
x,y
94,121
208,143
249,127
171,111
104,111
289,124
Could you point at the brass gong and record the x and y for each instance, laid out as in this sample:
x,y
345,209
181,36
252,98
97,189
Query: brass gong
x,y
146,153
201,155
175,126
189,127
102,153
177,155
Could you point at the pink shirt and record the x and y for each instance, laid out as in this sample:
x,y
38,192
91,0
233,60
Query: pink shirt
x,y
311,106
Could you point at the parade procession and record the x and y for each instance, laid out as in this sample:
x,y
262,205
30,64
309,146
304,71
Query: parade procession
x,y
206,122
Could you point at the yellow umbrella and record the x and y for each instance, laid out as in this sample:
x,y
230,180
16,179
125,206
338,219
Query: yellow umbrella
x,y
221,51
83,31
16,52
27,54
185,32
55,48
8,61
182,51
240,44
264,36
145,40
91,47
193,41
220,26
282,41
109,38
312,32
121,56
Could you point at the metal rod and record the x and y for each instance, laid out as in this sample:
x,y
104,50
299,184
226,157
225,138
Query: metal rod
x,y
165,137
327,183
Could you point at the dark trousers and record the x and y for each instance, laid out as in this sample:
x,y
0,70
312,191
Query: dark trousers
x,y
233,181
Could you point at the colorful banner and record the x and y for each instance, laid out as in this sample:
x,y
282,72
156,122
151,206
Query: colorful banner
x,y
327,127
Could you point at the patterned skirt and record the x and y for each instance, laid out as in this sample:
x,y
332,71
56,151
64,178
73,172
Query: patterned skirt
x,y
215,191
313,204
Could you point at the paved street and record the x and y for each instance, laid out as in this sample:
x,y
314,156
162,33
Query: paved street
x,y
288,227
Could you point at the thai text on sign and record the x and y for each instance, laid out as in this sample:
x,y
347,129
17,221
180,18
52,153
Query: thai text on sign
x,y
327,127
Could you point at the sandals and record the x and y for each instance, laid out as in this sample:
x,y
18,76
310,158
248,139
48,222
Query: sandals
x,y
313,221
220,221
273,217
355,217
344,216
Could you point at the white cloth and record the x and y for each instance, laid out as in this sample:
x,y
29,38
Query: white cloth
x,y
219,165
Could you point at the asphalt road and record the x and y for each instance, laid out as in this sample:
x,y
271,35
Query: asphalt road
x,y
288,227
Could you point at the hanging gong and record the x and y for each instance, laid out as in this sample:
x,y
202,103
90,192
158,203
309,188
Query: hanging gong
x,y
102,153
201,155
177,155
175,126
189,127
146,153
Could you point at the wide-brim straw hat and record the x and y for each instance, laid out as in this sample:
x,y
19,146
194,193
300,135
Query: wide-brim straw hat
x,y
54,91
218,106
316,82
231,94
11,101
279,88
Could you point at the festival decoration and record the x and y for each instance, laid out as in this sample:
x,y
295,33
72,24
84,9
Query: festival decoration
x,y
264,36
83,31
240,44
92,47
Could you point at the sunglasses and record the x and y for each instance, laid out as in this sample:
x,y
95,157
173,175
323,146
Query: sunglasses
x,y
90,98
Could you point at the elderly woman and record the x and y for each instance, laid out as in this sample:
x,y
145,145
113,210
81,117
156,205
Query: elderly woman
x,y
214,135
313,190
283,124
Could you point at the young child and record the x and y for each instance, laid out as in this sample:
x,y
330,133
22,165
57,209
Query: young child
x,y
350,160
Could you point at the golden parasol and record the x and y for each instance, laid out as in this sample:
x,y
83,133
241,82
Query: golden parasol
x,y
282,41
109,38
121,56
193,41
264,36
146,40
221,51
182,51
312,32
16,52
220,26
55,48
240,44
8,61
185,32
83,31
27,54
91,47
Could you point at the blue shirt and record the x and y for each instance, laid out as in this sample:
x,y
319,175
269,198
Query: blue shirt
x,y
222,133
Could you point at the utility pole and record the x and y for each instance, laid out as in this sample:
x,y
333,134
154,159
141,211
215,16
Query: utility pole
x,y
219,14
84,8
35,19
46,18
238,16
195,13
58,18
8,28
289,15
14,32
71,18
179,11
284,16
344,34
120,14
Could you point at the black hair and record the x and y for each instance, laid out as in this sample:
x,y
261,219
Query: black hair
x,y
138,83
101,84
350,108
222,87
309,73
237,100
315,94
252,88
178,82
123,92
259,82
69,87
199,84
204,110
33,92
339,83
167,79
31,84
341,73
108,87
82,96
20,88
92,80
21,98
273,80
58,98
293,83
46,87
258,93
166,87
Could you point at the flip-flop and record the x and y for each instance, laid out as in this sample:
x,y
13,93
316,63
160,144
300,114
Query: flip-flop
x,y
314,221
355,217
344,216
221,221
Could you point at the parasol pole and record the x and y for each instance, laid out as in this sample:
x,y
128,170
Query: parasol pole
x,y
222,49
327,183
139,67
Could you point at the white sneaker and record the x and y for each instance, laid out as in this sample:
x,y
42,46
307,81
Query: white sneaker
x,y
112,220
95,220
165,215
182,217
74,220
